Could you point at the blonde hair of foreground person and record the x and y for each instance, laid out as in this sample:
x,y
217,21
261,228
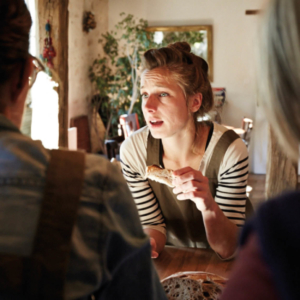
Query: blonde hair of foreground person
x,y
279,71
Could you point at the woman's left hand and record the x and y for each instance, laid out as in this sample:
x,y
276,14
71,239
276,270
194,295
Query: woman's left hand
x,y
192,185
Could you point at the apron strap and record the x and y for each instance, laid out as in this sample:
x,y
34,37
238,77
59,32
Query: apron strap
x,y
42,276
153,151
212,172
221,147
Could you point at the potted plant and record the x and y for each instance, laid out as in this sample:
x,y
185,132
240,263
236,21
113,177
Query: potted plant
x,y
116,74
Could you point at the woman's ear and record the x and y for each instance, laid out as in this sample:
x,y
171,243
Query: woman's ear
x,y
18,89
20,81
195,102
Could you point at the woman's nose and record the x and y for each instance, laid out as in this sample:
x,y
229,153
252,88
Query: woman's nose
x,y
151,103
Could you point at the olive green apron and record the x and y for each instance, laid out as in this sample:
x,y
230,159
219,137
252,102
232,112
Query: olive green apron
x,y
42,275
183,220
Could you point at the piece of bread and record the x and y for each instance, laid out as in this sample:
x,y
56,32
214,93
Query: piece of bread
x,y
159,174
182,284
177,288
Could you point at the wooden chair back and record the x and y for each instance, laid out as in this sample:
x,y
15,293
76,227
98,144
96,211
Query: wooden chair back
x,y
129,123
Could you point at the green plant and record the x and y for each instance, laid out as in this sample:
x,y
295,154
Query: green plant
x,y
116,74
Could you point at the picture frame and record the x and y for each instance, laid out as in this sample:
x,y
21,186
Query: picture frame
x,y
198,36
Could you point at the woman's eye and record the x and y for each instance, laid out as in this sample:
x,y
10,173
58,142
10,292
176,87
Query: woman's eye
x,y
164,94
144,96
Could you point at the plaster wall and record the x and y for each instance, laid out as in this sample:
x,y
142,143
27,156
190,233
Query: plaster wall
x,y
83,49
234,41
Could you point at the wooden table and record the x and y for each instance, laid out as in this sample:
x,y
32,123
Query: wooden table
x,y
173,260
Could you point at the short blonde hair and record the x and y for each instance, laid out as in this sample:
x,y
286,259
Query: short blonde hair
x,y
279,71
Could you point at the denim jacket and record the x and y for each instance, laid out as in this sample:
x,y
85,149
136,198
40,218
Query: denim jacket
x,y
110,253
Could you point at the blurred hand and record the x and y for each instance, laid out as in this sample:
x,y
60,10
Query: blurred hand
x,y
154,253
157,241
192,185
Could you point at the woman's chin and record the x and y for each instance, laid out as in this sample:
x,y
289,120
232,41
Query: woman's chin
x,y
158,134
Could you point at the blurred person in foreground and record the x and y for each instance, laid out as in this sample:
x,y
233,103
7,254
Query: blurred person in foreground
x,y
268,264
109,256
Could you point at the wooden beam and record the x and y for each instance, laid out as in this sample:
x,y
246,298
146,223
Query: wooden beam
x,y
59,20
63,71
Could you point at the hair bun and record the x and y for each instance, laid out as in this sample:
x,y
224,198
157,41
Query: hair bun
x,y
181,46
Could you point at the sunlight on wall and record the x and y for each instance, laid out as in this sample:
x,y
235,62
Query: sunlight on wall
x,y
44,100
44,125
33,32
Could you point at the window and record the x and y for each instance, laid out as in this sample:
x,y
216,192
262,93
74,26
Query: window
x,y
40,119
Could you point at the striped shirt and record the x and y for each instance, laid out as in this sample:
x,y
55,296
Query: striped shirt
x,y
232,178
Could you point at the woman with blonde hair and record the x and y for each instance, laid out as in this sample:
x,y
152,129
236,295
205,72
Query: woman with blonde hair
x,y
268,263
210,163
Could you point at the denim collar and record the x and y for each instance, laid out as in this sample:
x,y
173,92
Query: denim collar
x,y
7,125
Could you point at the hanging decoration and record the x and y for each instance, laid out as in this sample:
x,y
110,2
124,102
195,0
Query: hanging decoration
x,y
49,52
89,22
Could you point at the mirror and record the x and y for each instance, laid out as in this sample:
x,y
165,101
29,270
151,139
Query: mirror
x,y
199,37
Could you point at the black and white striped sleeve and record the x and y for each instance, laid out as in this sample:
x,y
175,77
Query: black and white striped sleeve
x,y
148,207
233,175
